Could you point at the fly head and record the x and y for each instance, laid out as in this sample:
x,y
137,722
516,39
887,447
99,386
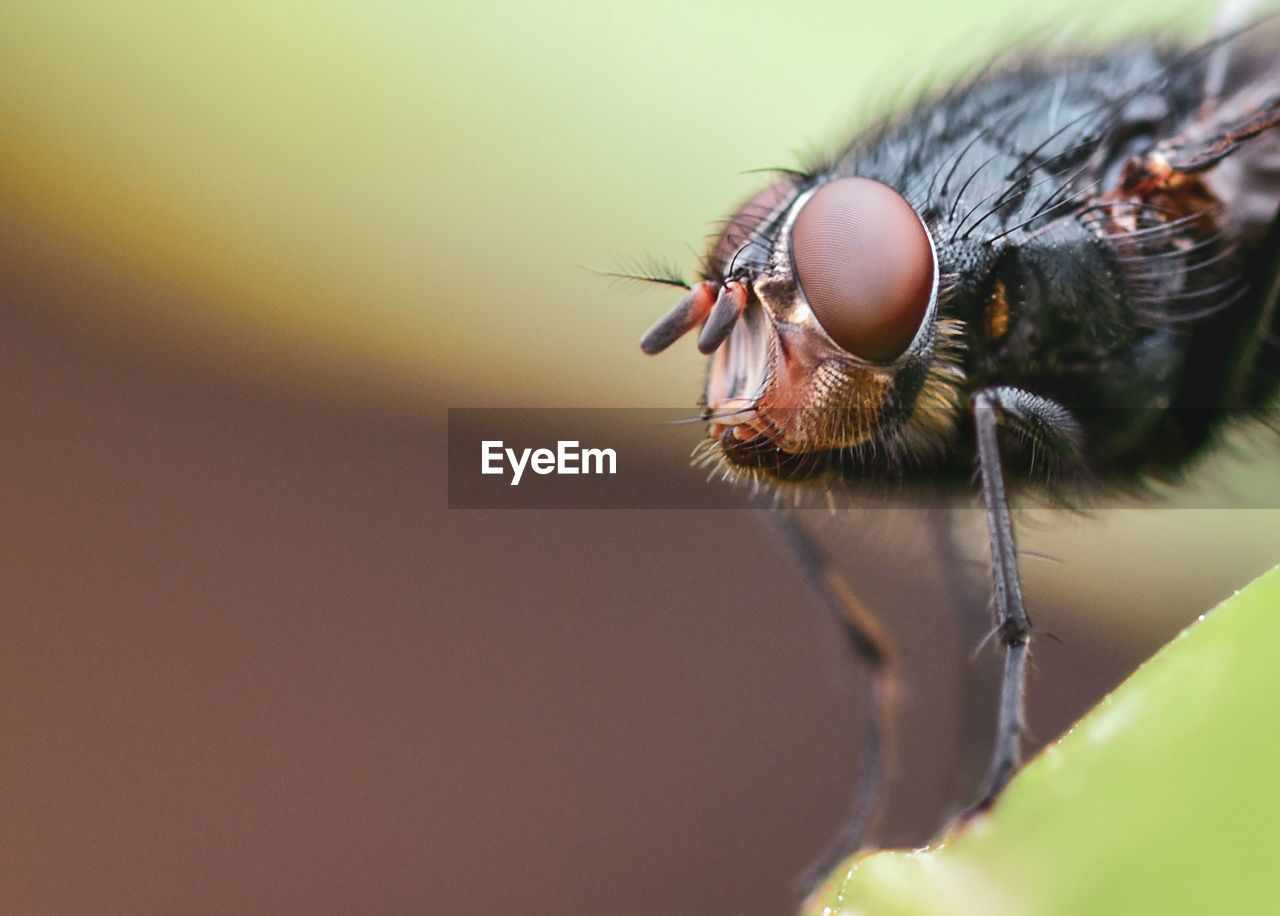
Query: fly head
x,y
819,308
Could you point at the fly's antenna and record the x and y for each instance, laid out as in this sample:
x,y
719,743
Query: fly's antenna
x,y
644,270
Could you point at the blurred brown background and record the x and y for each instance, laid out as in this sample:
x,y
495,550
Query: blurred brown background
x,y
251,661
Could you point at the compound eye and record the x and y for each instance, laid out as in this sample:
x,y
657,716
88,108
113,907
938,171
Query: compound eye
x,y
738,230
865,264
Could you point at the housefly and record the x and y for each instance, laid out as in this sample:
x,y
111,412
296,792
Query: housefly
x,y
1061,275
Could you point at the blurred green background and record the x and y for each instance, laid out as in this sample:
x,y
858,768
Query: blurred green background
x,y
250,253
405,195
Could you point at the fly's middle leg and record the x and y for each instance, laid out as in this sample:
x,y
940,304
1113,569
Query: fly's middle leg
x,y
1051,428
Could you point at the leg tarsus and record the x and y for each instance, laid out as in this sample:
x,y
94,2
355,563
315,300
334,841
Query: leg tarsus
x,y
870,651
865,809
1010,725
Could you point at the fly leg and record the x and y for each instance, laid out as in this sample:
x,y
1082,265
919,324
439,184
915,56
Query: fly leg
x,y
1053,430
870,650
950,538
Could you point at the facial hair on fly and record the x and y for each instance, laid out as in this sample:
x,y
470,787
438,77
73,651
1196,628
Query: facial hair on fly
x,y
1060,276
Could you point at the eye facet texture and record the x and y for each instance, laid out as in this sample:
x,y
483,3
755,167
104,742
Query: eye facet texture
x,y
865,264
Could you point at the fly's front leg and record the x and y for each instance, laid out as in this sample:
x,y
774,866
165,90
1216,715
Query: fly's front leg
x,y
1050,427
871,651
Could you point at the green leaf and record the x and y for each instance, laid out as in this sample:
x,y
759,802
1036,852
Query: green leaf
x,y
1165,798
